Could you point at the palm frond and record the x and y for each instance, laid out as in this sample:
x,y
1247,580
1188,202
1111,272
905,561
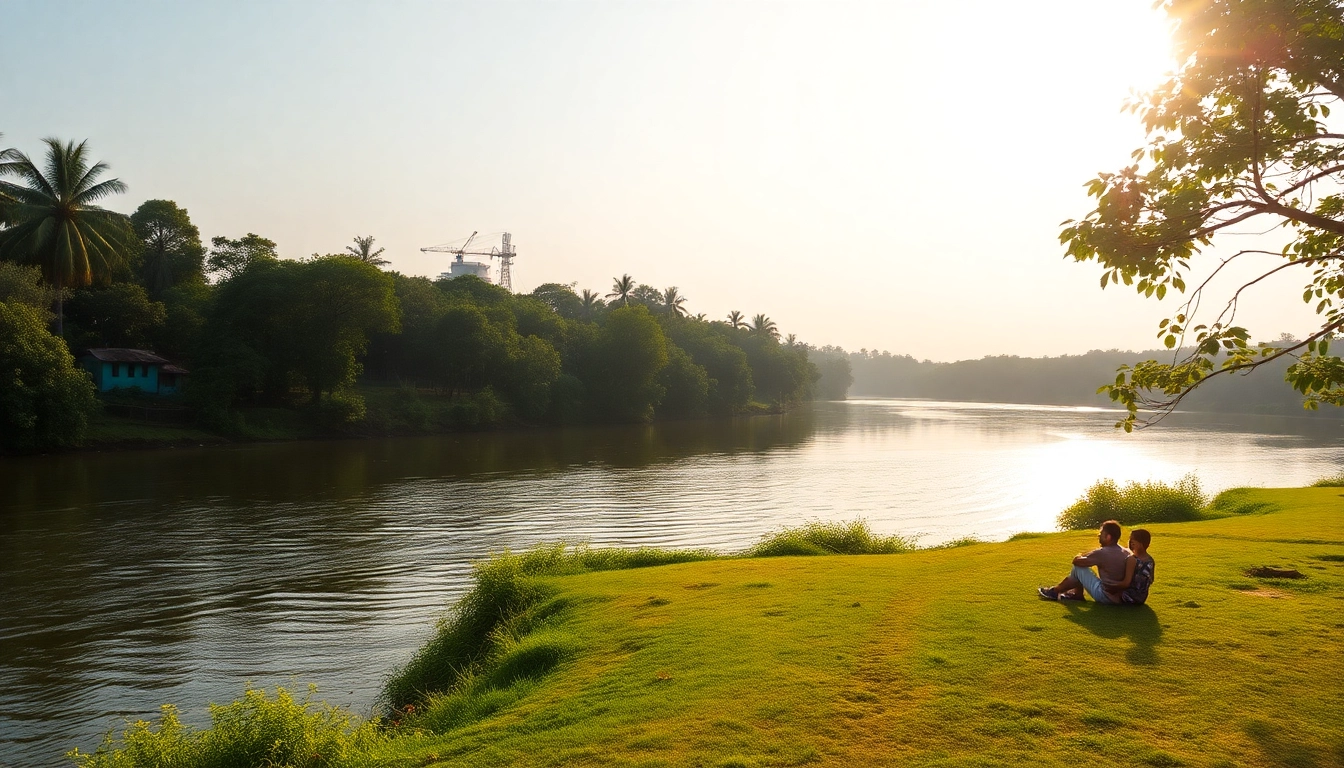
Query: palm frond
x,y
87,177
23,167
58,164
99,191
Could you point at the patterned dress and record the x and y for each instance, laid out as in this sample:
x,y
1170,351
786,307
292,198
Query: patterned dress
x,y
1137,591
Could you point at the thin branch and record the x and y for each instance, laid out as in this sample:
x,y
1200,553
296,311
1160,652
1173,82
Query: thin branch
x,y
1165,407
1312,178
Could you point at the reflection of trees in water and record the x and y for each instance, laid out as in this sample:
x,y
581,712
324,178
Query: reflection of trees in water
x,y
347,469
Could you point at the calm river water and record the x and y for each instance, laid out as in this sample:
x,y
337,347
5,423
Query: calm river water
x,y
137,578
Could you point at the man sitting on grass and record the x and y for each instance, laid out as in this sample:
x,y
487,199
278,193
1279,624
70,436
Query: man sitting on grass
x,y
1109,560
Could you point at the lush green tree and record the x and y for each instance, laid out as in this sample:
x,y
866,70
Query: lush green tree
x,y
54,222
560,298
621,288
685,385
764,327
115,315
1239,140
45,401
338,303
407,355
674,302
24,285
244,348
172,252
185,308
363,250
737,320
534,366
277,325
475,290
710,345
631,352
648,296
230,258
530,316
469,350
782,375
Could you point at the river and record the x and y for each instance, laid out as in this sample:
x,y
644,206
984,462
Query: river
x,y
130,579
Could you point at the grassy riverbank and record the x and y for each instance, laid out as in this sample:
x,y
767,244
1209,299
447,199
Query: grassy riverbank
x,y
926,658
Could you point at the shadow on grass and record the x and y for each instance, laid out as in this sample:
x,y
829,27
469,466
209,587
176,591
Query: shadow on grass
x,y
1283,748
1138,623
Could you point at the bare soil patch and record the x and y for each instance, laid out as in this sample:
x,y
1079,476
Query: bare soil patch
x,y
1271,572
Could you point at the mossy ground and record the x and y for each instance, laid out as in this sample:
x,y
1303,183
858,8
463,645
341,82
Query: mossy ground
x,y
937,658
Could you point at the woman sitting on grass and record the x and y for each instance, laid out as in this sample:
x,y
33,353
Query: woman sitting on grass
x,y
1138,569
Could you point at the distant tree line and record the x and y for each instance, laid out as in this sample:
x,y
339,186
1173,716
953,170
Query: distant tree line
x,y
1063,380
261,331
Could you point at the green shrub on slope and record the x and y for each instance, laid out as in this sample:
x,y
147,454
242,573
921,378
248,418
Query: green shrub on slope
x,y
253,730
1333,481
852,538
1154,502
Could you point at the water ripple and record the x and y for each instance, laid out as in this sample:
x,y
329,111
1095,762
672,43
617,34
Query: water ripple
x,y
134,579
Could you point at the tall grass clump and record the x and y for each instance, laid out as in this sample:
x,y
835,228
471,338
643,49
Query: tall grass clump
x,y
253,730
1333,481
488,628
852,538
1154,502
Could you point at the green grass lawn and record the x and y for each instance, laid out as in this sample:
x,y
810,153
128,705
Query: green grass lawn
x,y
928,658
946,658
106,430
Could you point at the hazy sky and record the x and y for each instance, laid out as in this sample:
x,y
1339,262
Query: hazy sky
x,y
882,175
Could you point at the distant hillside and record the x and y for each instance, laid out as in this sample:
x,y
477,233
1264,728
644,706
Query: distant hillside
x,y
1065,380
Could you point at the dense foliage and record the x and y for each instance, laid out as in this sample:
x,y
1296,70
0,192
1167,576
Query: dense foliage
x,y
1240,140
261,332
1136,503
257,729
45,401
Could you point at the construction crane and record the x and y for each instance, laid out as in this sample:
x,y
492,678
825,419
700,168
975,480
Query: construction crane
x,y
504,252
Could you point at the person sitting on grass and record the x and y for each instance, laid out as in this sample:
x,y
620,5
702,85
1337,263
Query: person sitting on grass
x,y
1109,560
1138,570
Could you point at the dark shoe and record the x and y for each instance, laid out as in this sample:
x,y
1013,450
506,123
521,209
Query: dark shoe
x,y
1047,593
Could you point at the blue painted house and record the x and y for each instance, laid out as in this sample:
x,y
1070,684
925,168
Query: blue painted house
x,y
114,368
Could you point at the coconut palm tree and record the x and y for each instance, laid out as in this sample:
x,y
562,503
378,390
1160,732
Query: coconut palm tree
x,y
589,303
790,340
54,222
674,302
764,326
621,288
737,319
363,250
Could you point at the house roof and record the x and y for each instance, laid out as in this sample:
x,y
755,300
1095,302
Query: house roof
x,y
170,368
116,355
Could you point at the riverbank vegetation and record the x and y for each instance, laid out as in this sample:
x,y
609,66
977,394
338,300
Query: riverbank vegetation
x,y
929,658
315,337
1137,503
